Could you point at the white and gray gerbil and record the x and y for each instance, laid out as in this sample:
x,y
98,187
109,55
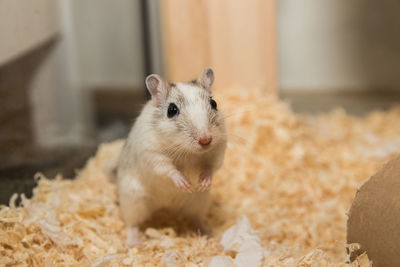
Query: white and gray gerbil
x,y
171,153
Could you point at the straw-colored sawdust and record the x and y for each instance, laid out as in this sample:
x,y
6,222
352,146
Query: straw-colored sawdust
x,y
293,176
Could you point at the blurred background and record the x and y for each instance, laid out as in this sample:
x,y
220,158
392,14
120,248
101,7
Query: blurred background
x,y
72,71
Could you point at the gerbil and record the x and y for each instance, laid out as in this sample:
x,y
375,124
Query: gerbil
x,y
176,144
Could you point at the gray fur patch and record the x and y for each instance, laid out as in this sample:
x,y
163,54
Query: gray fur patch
x,y
194,82
178,96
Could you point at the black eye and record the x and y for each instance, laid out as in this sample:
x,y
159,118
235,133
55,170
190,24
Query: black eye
x,y
213,104
172,110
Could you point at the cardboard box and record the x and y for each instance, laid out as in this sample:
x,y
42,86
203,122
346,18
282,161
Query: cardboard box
x,y
374,219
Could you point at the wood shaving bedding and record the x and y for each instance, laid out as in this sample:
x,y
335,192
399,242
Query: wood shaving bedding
x,y
293,177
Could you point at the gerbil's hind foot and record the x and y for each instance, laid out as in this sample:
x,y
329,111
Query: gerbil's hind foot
x,y
133,237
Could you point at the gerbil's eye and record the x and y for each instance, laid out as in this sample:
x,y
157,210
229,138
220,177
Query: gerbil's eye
x,y
172,110
213,104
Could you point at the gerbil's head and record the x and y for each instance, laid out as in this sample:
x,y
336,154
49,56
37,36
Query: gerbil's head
x,y
185,115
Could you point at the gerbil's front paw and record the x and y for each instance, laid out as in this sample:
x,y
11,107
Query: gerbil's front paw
x,y
204,181
180,181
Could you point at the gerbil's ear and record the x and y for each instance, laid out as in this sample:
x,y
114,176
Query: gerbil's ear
x,y
157,88
206,79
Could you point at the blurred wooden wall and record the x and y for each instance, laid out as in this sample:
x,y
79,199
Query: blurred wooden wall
x,y
237,38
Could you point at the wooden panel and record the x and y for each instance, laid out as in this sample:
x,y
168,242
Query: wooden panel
x,y
236,38
25,25
186,50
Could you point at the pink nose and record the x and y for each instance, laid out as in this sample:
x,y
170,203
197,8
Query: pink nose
x,y
205,140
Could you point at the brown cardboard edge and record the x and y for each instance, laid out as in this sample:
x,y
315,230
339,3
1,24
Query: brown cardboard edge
x,y
374,217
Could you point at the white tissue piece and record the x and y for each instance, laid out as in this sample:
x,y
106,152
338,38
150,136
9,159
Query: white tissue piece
x,y
221,261
243,239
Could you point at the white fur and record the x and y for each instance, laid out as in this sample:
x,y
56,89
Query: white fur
x,y
147,171
196,109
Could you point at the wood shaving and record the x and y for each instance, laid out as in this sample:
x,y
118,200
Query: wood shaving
x,y
241,238
293,176
221,261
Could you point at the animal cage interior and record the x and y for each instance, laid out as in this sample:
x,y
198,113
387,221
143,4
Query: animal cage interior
x,y
199,133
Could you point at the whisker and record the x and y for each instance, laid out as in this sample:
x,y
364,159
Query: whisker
x,y
238,137
239,112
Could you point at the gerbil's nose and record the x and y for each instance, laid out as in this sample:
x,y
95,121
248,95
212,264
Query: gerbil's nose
x,y
205,140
